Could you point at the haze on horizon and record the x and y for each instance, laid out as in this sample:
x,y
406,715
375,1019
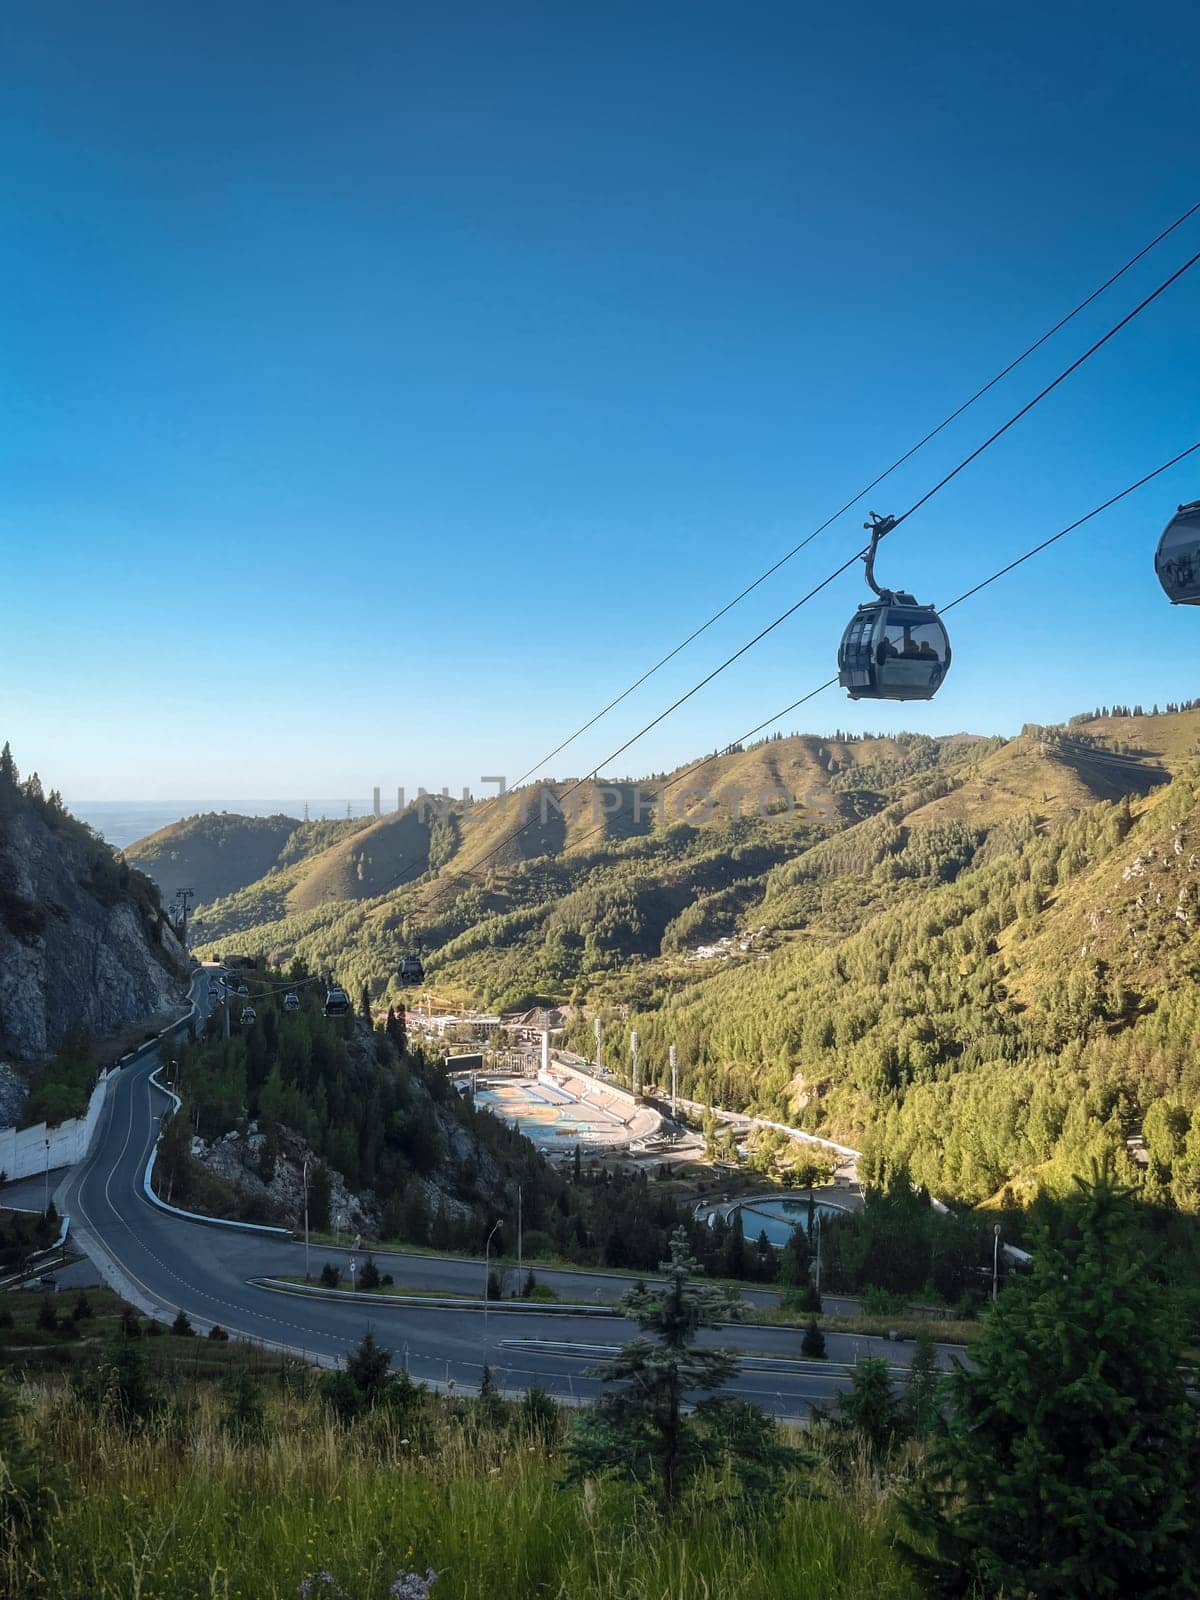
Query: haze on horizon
x,y
387,392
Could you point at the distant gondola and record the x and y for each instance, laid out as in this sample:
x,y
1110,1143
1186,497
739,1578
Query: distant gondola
x,y
893,648
291,1002
1177,561
249,1015
411,970
337,1002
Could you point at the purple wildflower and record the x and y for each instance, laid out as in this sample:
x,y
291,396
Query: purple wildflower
x,y
412,1586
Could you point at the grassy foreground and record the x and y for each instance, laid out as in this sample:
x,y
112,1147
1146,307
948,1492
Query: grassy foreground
x,y
181,1510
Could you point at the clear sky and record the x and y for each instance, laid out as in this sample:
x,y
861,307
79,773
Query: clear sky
x,y
386,385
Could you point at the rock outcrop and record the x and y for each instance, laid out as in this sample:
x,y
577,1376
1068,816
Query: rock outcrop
x,y
83,941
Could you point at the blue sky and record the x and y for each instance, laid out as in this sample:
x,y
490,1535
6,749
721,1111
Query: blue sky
x,y
386,386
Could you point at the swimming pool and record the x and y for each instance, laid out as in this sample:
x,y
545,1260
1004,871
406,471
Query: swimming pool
x,y
777,1218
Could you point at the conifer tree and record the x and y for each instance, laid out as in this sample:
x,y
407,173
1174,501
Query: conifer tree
x,y
1068,1465
870,1406
812,1346
922,1390
637,1430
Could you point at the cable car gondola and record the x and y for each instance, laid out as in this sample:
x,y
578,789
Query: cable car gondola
x,y
411,970
893,648
1177,560
337,1002
249,1015
291,1002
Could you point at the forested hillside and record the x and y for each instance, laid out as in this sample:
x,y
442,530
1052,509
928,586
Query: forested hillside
x,y
218,853
424,1164
1001,1014
979,954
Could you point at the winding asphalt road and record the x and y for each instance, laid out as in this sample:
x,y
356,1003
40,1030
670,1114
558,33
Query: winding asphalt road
x,y
163,1262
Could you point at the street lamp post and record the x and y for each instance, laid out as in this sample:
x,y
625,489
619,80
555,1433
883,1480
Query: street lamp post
x,y
520,1280
46,1195
306,1219
995,1259
817,1230
487,1273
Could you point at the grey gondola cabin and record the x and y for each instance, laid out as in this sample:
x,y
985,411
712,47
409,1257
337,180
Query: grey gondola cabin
x,y
1178,559
893,648
337,1002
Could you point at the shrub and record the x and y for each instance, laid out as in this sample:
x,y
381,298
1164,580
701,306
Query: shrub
x,y
539,1415
182,1326
243,1415
368,1278
218,1333
23,1500
800,1297
331,1275
120,1384
812,1346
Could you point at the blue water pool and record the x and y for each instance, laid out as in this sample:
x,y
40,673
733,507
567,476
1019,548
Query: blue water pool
x,y
777,1218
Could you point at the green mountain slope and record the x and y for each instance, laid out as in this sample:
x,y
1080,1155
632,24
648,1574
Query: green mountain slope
x,y
565,889
220,853
974,952
1000,1026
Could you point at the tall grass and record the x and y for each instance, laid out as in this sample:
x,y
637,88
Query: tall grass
x,y
183,1511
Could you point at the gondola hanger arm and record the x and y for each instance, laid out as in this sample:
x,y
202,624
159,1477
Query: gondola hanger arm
x,y
877,526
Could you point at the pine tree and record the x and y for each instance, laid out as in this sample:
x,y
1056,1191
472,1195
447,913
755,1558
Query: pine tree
x,y
638,1430
9,776
364,1003
368,1369
812,1346
871,1408
243,1414
1069,1462
795,1259
320,1199
922,1389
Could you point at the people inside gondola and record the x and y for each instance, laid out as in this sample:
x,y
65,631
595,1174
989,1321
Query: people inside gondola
x,y
927,652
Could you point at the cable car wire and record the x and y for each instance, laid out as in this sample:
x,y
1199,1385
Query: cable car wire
x,y
874,483
894,522
967,594
888,524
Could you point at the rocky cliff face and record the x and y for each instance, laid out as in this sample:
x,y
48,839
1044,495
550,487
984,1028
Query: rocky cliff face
x,y
82,939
